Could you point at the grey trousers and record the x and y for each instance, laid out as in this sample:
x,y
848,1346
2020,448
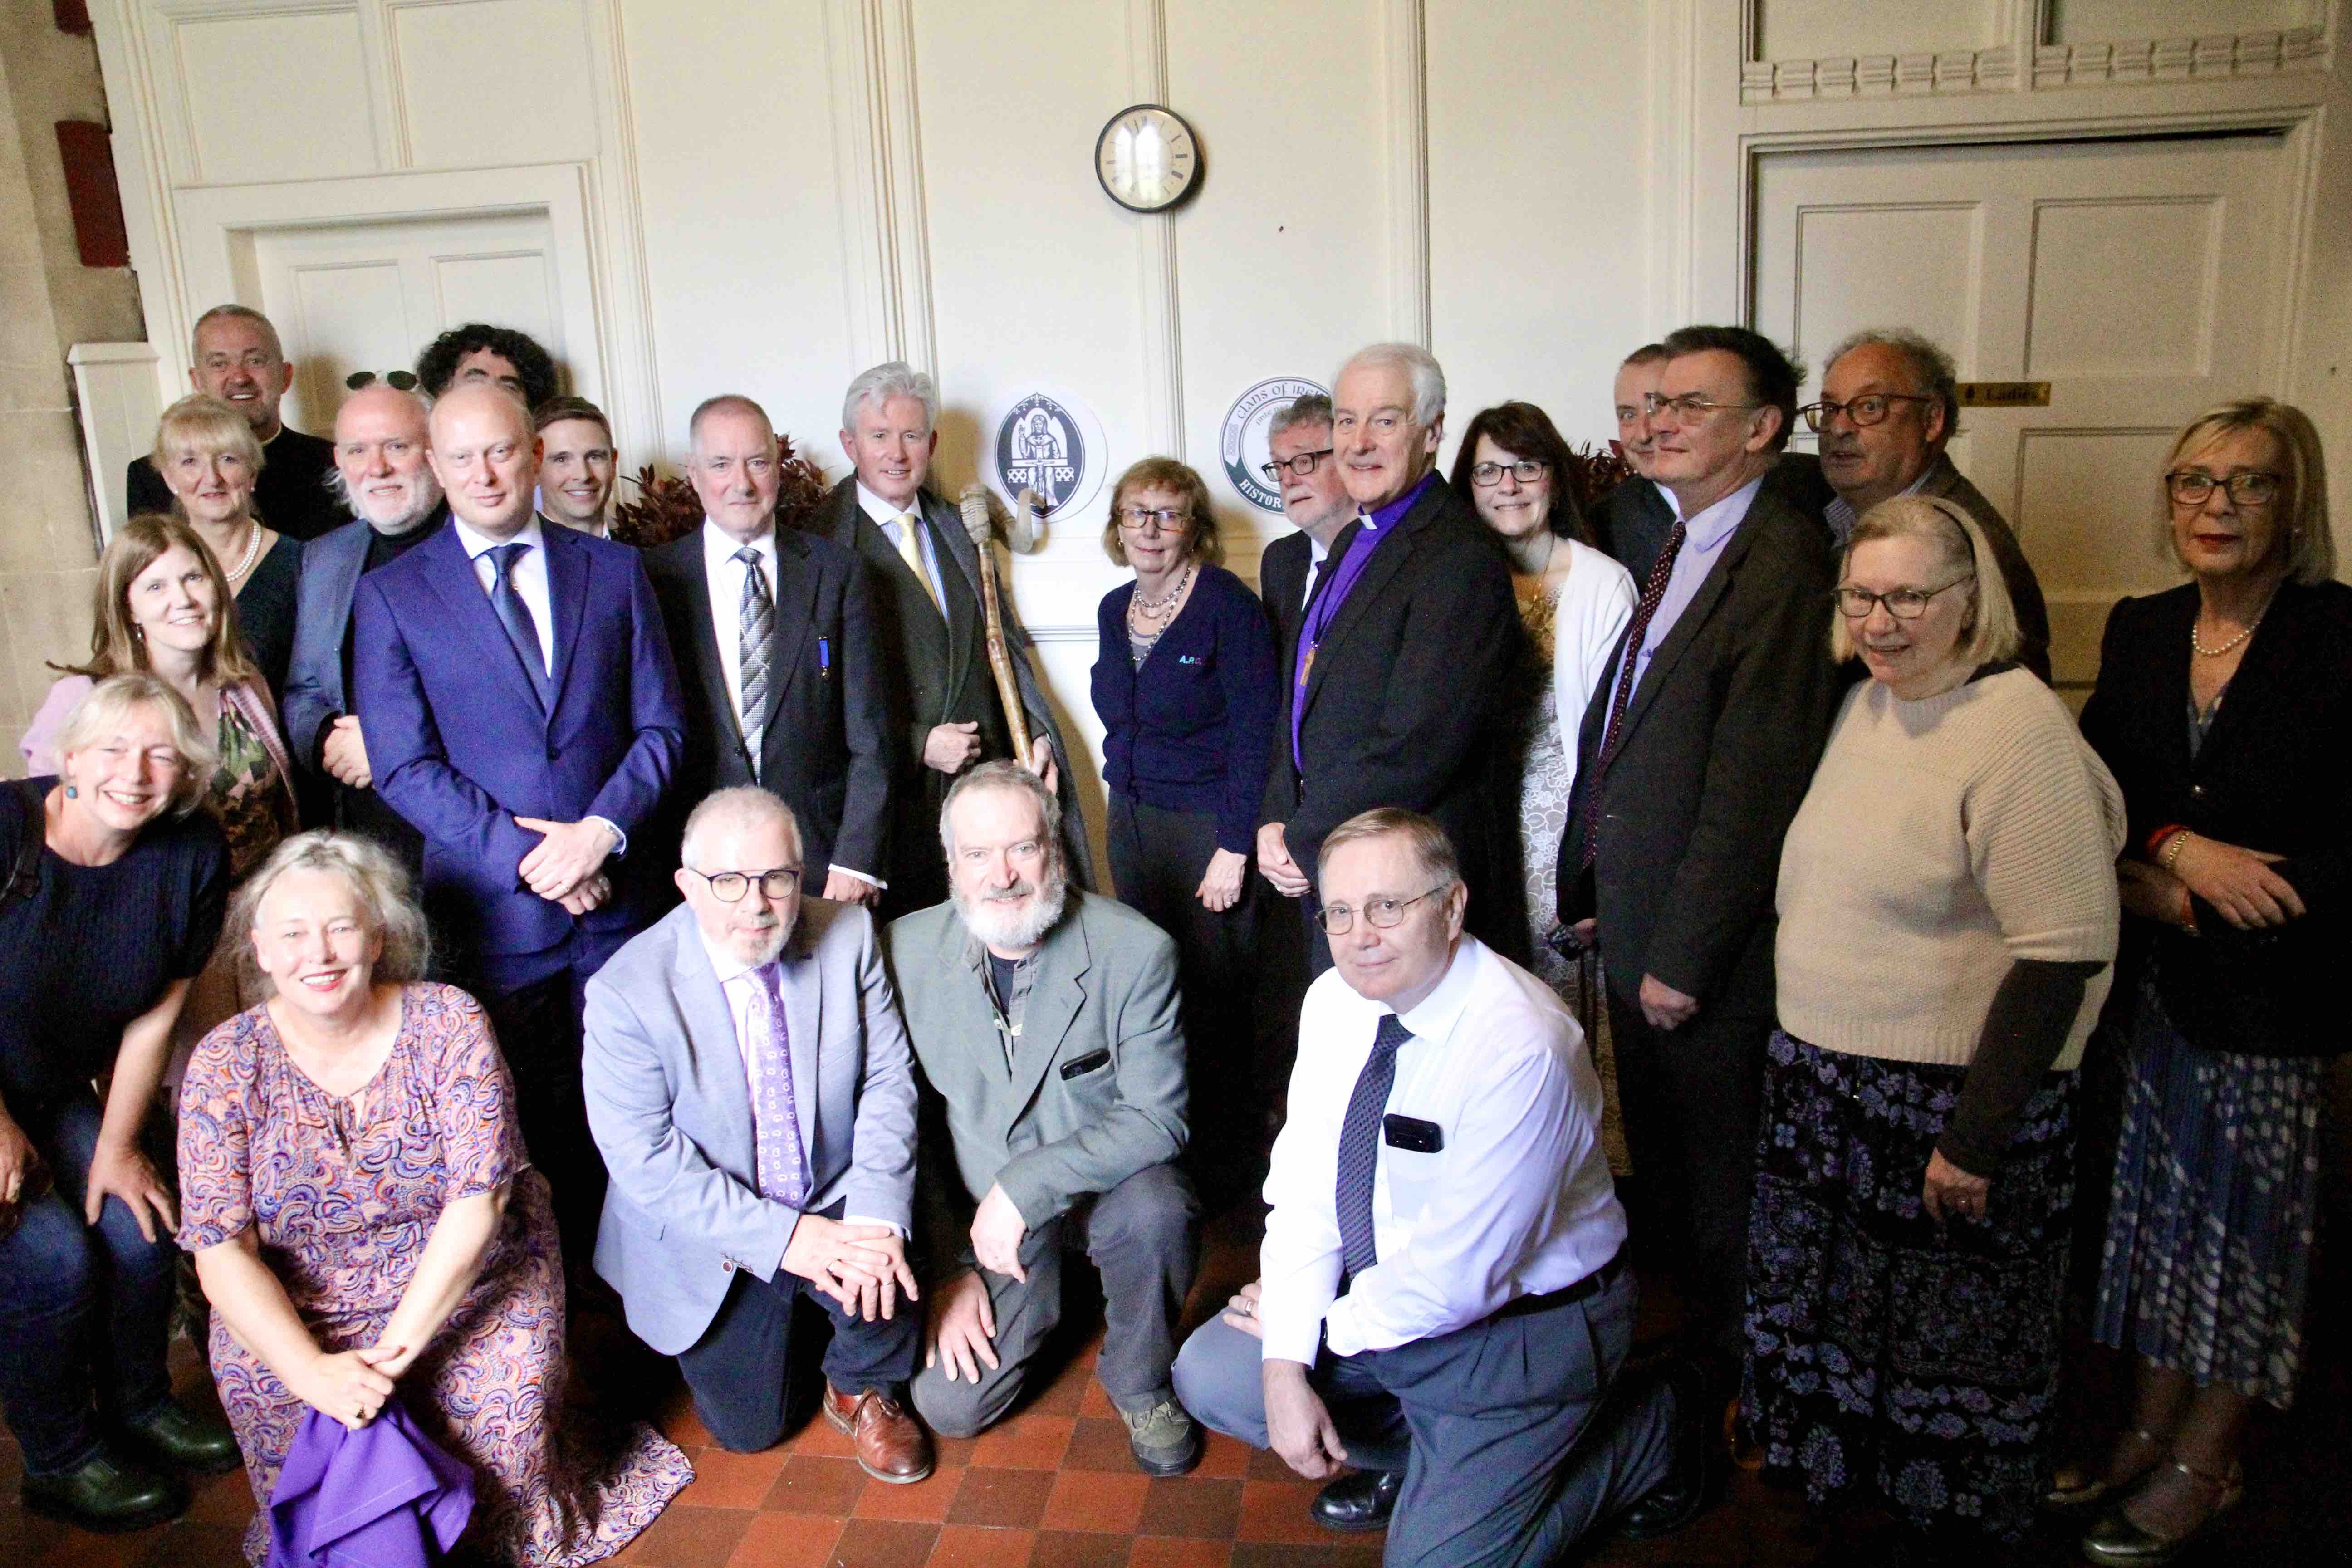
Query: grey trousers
x,y
1144,1236
1511,1448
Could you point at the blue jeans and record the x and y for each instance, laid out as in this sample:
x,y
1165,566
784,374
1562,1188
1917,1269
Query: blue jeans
x,y
84,1308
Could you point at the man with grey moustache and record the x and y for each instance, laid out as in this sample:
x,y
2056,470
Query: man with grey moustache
x,y
382,477
1045,1021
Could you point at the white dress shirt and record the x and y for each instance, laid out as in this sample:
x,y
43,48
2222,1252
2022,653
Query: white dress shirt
x,y
724,576
747,1009
1518,1201
529,577
1318,552
886,518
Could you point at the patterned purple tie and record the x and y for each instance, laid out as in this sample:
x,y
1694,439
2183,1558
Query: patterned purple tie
x,y
783,1172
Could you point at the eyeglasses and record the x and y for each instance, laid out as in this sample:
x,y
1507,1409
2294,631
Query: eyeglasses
x,y
728,887
1526,471
1140,518
2247,486
1383,913
1689,406
1300,463
1903,604
1871,408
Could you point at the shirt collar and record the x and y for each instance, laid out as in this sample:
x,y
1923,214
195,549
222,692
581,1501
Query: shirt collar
x,y
881,510
718,544
1435,1016
478,544
1388,516
1713,524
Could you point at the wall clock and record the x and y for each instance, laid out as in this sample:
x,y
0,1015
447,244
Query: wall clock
x,y
1146,158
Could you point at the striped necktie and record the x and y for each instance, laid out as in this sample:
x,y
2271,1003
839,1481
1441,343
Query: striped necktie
x,y
755,618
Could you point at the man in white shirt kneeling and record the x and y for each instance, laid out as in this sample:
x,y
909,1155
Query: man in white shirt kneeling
x,y
1444,1303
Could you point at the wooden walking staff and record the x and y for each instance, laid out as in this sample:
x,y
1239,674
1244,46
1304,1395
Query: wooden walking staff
x,y
1023,534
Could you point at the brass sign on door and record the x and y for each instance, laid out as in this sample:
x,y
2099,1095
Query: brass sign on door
x,y
2004,394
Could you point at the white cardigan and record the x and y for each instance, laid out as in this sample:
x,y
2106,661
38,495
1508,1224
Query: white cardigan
x,y
1595,603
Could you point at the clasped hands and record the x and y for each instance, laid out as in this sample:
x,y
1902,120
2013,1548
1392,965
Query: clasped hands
x,y
566,867
2238,884
963,1320
351,1386
863,1267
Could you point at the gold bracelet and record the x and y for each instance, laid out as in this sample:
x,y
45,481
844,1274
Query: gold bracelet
x,y
2172,850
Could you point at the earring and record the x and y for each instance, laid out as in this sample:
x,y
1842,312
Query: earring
x,y
72,793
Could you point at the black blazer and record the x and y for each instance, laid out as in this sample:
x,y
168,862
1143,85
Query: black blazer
x,y
826,745
2270,776
1400,705
1717,748
1631,524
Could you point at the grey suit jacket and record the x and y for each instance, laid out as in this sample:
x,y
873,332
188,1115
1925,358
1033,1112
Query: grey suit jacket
x,y
1096,1089
670,1105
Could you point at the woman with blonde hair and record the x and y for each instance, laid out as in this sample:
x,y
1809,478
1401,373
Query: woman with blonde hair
x,y
112,901
367,1223
1947,913
209,458
2222,706
164,608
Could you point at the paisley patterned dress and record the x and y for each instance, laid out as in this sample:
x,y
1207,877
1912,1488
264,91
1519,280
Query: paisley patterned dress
x,y
343,1192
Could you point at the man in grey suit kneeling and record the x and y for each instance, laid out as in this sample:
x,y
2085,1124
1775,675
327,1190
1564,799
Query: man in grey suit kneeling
x,y
1045,1020
1444,1301
748,1082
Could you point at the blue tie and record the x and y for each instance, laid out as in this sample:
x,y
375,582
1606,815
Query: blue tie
x,y
1360,1149
515,616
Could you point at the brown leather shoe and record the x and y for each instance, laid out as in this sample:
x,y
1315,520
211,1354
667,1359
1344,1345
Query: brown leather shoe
x,y
892,1446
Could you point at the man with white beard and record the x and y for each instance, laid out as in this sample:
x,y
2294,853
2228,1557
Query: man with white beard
x,y
381,475
1045,1020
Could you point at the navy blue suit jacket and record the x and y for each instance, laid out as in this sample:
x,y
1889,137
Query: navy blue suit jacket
x,y
460,745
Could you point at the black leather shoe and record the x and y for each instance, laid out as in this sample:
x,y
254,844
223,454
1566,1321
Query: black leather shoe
x,y
1359,1501
1682,1497
181,1440
109,1494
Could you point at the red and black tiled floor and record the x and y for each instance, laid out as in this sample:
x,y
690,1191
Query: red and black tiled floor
x,y
1053,1485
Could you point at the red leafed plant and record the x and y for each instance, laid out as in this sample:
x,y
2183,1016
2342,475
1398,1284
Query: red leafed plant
x,y
1594,472
666,508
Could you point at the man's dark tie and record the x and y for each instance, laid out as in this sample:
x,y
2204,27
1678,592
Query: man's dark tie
x,y
515,616
755,625
1652,590
1360,1148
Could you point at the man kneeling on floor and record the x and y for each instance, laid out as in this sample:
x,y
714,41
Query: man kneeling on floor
x,y
748,1081
1045,1020
1444,1303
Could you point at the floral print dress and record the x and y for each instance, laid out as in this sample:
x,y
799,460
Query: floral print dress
x,y
343,1193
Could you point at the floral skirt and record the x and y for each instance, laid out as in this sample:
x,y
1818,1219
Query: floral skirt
x,y
2210,1227
1885,1349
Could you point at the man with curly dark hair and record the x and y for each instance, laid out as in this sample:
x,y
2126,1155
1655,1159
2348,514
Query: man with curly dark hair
x,y
479,352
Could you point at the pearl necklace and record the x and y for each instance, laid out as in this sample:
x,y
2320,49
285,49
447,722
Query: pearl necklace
x,y
252,548
1152,611
2199,647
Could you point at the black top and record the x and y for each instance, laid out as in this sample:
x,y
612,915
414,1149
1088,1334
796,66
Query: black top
x,y
1189,728
94,946
291,495
2269,776
265,611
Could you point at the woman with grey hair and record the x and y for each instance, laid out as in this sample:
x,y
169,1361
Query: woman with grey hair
x,y
112,903
1948,912
366,1219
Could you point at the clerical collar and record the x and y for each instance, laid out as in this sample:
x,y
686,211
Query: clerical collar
x,y
1393,512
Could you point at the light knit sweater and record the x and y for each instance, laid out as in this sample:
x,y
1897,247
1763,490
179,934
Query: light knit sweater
x,y
1941,841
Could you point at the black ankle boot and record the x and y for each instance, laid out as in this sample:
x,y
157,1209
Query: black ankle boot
x,y
107,1493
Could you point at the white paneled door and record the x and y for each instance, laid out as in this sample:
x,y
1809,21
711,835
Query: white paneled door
x,y
2141,279
369,296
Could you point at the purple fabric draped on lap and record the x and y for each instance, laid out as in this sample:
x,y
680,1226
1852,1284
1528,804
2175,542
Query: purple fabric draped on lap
x,y
365,1499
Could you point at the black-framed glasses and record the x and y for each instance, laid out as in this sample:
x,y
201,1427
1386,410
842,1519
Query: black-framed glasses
x,y
1688,405
728,887
1381,914
2247,486
1903,604
1870,408
1300,463
1140,518
1526,471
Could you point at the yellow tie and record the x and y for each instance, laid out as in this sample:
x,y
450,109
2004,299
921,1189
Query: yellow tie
x,y
912,554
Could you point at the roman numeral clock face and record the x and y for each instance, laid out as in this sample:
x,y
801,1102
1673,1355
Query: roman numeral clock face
x,y
1147,158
